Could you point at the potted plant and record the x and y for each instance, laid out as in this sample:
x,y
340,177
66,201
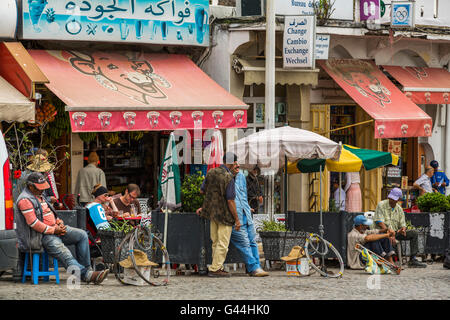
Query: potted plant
x,y
433,202
191,197
112,236
277,240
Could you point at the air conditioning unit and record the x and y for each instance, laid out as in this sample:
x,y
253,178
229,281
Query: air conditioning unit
x,y
250,7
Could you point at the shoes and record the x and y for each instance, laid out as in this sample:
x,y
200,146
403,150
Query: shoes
x,y
98,276
259,273
414,263
219,274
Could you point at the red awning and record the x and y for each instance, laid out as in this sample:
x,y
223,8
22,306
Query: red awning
x,y
394,114
423,85
130,91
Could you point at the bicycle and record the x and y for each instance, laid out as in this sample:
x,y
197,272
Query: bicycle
x,y
144,239
318,247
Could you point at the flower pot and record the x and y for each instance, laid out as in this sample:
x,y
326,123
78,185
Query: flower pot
x,y
277,244
110,240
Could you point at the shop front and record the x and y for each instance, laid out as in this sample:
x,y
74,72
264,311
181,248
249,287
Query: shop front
x,y
123,105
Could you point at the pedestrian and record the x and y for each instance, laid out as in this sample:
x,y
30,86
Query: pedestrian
x,y
389,216
374,240
439,180
339,196
353,192
87,178
219,207
38,226
424,182
244,239
254,192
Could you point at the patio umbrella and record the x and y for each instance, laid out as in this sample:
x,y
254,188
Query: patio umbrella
x,y
215,150
350,160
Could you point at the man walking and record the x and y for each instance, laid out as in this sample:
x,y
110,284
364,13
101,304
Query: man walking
x,y
244,239
88,178
439,180
35,213
389,217
219,207
424,182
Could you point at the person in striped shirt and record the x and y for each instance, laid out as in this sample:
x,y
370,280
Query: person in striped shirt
x,y
37,213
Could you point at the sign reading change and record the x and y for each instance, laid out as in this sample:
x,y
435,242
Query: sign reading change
x,y
298,41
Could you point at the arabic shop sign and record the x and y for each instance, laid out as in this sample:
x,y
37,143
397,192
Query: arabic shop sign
x,y
140,21
322,46
298,42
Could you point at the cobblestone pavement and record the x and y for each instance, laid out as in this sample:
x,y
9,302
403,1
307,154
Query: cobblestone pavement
x,y
430,283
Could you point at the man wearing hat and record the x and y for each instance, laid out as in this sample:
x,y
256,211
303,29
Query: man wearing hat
x,y
389,216
88,178
35,213
219,207
374,240
439,179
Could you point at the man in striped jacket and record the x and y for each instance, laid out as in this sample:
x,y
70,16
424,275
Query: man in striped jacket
x,y
36,216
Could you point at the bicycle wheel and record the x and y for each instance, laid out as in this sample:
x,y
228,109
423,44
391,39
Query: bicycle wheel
x,y
156,252
121,253
315,246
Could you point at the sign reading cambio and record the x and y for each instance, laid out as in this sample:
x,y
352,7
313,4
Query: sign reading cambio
x,y
298,42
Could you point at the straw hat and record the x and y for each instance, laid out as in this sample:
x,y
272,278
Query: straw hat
x,y
40,164
296,252
141,260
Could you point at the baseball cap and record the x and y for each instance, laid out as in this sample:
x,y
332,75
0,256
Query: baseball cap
x,y
361,219
38,180
395,194
434,164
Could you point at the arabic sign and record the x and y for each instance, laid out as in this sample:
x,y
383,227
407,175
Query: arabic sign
x,y
141,21
395,147
369,9
322,46
297,7
298,41
402,14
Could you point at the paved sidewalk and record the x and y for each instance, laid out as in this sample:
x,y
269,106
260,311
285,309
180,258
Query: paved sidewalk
x,y
430,283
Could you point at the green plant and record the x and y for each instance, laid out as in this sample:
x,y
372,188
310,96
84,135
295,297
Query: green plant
x,y
272,226
323,10
119,226
333,206
191,197
433,202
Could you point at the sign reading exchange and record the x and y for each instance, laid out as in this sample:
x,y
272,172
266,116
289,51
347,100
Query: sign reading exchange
x,y
298,42
140,21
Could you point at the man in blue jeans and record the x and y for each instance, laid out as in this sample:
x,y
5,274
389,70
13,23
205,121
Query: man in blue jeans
x,y
244,238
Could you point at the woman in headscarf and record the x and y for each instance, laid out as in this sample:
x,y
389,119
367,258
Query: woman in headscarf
x,y
245,239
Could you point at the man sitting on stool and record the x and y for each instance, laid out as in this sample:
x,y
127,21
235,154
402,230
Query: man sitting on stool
x,y
374,240
389,216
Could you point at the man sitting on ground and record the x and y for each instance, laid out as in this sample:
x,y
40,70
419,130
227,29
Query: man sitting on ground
x,y
373,240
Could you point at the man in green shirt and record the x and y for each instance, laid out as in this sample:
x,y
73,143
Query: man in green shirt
x,y
389,216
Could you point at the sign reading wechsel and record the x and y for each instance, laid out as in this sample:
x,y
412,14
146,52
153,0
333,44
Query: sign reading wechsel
x,y
140,21
298,41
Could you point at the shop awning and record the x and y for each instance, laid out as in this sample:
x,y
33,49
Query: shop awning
x,y
130,91
255,73
423,85
19,69
394,114
13,104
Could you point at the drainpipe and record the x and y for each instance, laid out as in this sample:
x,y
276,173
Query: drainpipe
x,y
446,166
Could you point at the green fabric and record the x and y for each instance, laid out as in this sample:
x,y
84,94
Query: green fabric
x,y
310,165
371,158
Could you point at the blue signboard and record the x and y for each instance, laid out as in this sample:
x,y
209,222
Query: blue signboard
x,y
402,14
183,22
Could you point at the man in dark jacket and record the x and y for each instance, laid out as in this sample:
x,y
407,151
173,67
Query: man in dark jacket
x,y
254,193
220,208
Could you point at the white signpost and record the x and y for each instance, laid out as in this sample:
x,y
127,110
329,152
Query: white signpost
x,y
322,46
299,41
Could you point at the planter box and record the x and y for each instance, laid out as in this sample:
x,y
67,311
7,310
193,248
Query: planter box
x,y
278,244
110,240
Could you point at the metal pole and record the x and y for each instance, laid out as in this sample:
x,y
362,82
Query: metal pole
x,y
269,120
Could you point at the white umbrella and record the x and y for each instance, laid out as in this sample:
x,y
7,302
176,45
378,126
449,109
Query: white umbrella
x,y
268,148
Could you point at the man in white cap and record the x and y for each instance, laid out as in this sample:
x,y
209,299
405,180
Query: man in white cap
x,y
374,240
389,216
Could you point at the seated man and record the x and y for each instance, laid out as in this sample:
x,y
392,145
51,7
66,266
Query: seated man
x,y
373,240
424,182
97,213
37,214
128,203
389,216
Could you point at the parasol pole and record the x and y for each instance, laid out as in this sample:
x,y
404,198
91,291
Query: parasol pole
x,y
340,183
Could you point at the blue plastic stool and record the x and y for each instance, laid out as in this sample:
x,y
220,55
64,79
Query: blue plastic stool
x,y
36,272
